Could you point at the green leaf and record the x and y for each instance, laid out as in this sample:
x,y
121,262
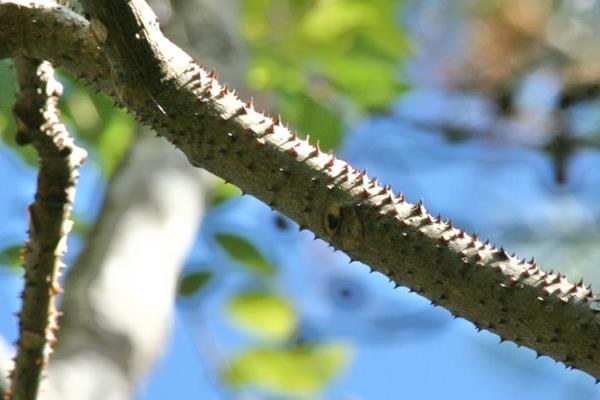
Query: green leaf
x,y
223,192
106,130
310,116
245,252
369,81
11,256
115,140
330,21
193,282
300,370
325,60
263,314
8,128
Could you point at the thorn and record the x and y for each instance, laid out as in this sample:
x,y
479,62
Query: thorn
x,y
314,152
331,161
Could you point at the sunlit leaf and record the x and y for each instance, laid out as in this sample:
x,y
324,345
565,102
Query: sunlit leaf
x,y
300,370
245,252
325,60
193,282
327,21
263,314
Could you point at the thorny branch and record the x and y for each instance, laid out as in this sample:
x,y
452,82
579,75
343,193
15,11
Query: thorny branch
x,y
168,90
38,123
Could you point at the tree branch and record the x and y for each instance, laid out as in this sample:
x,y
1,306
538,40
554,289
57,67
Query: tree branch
x,y
511,297
37,121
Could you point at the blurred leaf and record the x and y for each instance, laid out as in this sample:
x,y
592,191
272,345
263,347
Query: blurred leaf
x,y
313,118
11,256
193,282
223,192
115,140
245,252
7,122
107,130
368,81
269,73
325,60
327,21
263,314
81,224
83,110
300,370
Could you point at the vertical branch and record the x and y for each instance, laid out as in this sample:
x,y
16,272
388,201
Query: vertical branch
x,y
38,123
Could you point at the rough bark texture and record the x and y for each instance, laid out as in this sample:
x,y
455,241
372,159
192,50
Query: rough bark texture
x,y
215,130
37,121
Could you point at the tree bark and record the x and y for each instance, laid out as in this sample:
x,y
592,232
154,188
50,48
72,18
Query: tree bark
x,y
36,110
215,130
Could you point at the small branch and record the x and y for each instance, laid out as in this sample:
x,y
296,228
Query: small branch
x,y
38,123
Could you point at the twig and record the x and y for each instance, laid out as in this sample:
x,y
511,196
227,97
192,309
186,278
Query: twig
x,y
38,123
